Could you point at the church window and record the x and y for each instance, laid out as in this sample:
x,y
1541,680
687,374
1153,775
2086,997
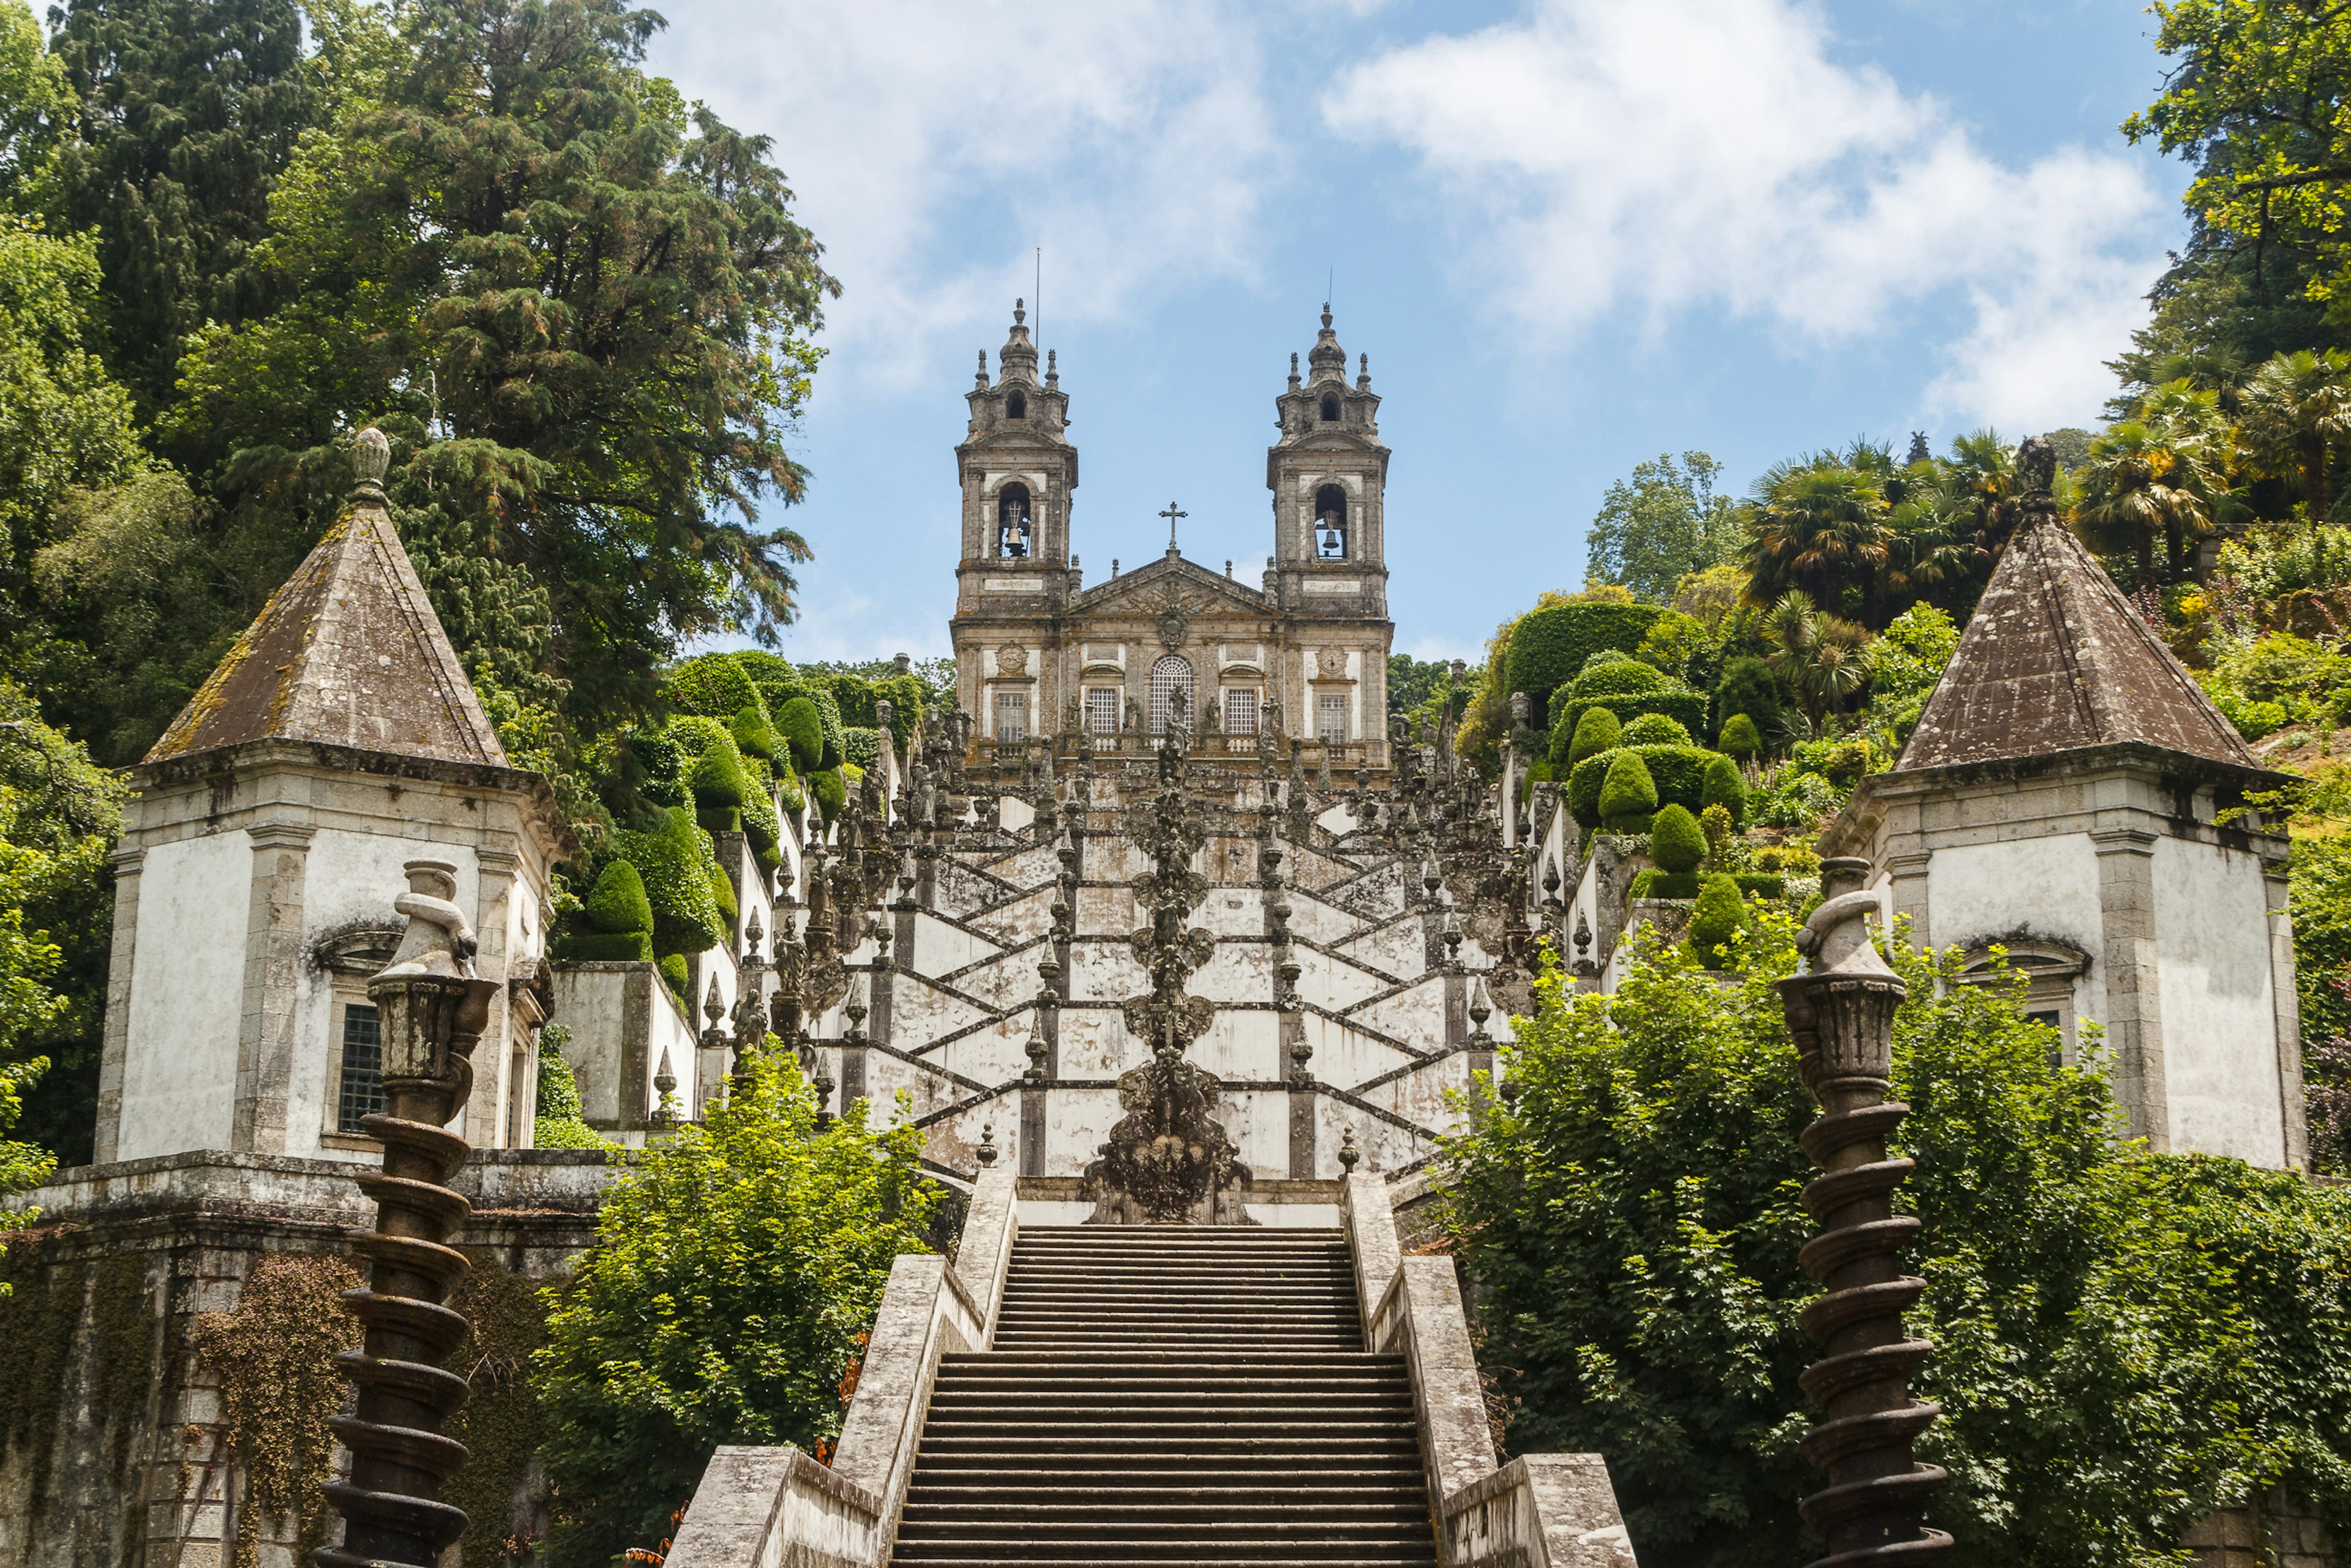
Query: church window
x,y
1330,411
1331,523
1168,676
1012,534
359,1091
1240,710
1012,714
1016,407
1330,720
1102,710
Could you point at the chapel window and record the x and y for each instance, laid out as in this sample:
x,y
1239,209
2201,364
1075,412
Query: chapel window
x,y
1330,720
1168,676
1016,407
1330,411
1240,710
359,1091
1012,714
1331,523
1012,527
1102,710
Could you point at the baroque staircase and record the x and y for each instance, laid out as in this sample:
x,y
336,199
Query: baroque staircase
x,y
1173,1394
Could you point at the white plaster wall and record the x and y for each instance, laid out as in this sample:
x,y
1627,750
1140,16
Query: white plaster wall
x,y
2048,887
2220,1033
179,1075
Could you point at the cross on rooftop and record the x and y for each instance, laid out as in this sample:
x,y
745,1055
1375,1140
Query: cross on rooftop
x,y
1171,514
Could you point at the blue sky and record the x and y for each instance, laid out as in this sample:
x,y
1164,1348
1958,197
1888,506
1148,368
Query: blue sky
x,y
1570,234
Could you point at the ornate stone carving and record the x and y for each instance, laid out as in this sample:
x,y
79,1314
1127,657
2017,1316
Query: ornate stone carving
x,y
1012,659
1331,664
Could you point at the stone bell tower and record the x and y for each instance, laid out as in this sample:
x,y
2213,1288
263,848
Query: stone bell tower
x,y
1329,477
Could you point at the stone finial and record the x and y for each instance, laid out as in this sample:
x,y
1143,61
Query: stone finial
x,y
1348,1153
987,1150
982,378
1053,367
1521,709
2036,466
370,458
1019,311
712,1007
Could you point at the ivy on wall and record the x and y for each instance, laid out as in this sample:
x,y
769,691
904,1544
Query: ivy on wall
x,y
275,1358
500,1423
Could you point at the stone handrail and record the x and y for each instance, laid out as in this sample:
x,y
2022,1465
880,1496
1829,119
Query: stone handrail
x,y
1541,1510
779,1508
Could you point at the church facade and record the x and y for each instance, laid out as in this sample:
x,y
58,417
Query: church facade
x,y
1301,654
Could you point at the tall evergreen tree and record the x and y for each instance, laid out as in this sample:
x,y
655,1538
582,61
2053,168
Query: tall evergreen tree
x,y
190,113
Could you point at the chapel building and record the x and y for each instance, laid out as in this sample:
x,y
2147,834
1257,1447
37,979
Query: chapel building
x,y
1303,654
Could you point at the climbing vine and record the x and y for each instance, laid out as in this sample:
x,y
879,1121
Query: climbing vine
x,y
38,1319
275,1358
500,1423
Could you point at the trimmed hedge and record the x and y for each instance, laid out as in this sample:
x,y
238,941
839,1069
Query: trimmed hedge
x,y
715,686
755,733
692,734
1595,732
1761,884
802,728
1626,790
832,793
1676,840
1677,771
617,903
675,973
861,746
761,824
1725,787
674,861
1739,738
1655,883
1719,913
718,779
1550,647
1657,729
1747,686
722,892
609,946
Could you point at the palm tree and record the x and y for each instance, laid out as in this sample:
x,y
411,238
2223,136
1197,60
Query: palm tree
x,y
1816,524
2158,477
2295,409
1818,653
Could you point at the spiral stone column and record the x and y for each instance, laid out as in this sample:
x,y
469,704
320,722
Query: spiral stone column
x,y
1841,1016
432,1010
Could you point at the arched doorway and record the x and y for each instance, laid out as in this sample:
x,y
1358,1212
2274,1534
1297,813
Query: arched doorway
x,y
1168,676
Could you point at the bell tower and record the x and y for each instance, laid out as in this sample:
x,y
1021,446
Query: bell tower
x,y
1017,468
1328,474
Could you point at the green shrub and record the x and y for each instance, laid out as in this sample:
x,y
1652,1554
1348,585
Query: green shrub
x,y
618,902
692,734
1677,771
609,946
861,746
1655,883
1595,732
1550,647
802,728
658,764
1716,921
673,859
717,778
722,892
761,824
1626,791
1720,827
558,1120
1761,884
1655,729
755,733
1686,710
1722,786
714,685
678,978
832,793
1739,738
789,792
1676,840
828,713
1747,686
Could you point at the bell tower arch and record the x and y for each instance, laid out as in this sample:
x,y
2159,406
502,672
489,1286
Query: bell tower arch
x,y
1328,474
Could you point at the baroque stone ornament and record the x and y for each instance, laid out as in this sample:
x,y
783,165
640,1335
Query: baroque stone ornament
x,y
432,1008
1012,659
1841,1015
1169,1160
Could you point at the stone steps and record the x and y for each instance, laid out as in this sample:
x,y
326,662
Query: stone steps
x,y
1171,1395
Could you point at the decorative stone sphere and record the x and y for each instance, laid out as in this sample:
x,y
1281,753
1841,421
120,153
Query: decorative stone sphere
x,y
371,455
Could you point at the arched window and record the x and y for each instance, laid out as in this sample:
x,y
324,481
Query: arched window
x,y
1168,676
1012,522
1331,523
1330,411
1016,407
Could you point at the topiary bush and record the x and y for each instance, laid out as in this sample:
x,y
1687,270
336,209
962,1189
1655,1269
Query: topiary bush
x,y
1761,884
715,686
1595,732
1747,686
679,979
1627,794
607,946
1716,922
832,793
722,892
719,786
692,734
802,728
1720,827
1739,737
861,746
674,860
1653,883
761,824
755,733
618,902
1676,840
1725,788
1549,647
1655,729
1677,771
1629,689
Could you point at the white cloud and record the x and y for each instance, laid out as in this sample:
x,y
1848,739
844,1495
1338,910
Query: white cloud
x,y
931,144
1658,157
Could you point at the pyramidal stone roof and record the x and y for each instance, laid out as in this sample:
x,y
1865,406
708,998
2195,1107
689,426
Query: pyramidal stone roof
x,y
2057,659
348,652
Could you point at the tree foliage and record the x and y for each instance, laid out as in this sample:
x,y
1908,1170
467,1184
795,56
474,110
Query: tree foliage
x,y
734,1275
2123,1342
1663,524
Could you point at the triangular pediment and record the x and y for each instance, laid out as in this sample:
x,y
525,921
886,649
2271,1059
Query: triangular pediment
x,y
1171,585
347,652
2055,659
